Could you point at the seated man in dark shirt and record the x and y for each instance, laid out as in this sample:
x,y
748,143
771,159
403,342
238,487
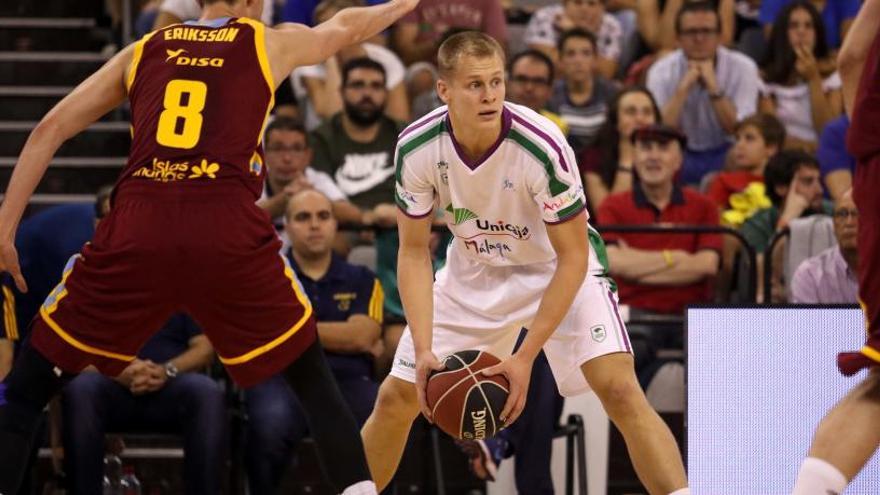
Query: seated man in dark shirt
x,y
159,392
347,302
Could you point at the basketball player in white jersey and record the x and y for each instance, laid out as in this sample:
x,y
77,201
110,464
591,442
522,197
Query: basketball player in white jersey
x,y
523,256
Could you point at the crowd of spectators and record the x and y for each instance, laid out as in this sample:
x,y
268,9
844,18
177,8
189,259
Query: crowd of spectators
x,y
681,113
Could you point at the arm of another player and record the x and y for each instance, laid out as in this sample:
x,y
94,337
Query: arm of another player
x,y
569,240
297,45
101,92
415,278
854,52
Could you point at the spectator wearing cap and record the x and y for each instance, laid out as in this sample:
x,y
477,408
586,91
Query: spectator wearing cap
x,y
661,273
703,89
830,277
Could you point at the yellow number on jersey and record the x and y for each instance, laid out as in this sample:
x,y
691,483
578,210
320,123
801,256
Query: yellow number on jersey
x,y
190,112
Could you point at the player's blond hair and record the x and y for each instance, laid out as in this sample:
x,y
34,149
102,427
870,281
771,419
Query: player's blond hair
x,y
467,43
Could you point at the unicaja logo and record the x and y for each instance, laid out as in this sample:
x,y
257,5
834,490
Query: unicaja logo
x,y
501,227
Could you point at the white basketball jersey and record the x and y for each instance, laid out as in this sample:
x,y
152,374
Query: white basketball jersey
x,y
496,206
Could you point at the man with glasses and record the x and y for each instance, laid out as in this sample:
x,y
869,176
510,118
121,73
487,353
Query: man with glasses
x,y
530,83
831,276
704,89
288,157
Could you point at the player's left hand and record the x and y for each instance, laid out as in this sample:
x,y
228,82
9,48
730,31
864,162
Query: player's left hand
x,y
9,263
518,371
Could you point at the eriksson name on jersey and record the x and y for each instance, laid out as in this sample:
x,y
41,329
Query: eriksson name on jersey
x,y
226,34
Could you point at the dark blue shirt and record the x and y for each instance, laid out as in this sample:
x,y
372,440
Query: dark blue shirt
x,y
303,11
345,290
832,153
45,242
171,341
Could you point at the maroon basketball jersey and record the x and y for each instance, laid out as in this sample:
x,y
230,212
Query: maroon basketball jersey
x,y
863,137
200,96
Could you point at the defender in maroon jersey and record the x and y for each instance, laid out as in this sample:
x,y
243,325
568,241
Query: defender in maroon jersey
x,y
184,233
847,437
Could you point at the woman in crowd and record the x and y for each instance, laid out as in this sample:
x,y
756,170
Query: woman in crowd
x,y
801,87
607,166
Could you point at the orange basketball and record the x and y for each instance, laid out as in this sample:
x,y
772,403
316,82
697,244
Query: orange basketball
x,y
465,403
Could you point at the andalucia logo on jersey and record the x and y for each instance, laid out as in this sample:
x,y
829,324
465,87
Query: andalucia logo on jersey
x,y
460,215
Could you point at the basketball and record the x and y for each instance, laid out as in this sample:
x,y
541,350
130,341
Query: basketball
x,y
464,403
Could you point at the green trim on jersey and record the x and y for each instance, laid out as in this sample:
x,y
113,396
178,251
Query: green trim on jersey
x,y
568,210
557,187
598,246
417,142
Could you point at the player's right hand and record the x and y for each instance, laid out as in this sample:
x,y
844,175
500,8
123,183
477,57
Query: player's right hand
x,y
426,362
9,263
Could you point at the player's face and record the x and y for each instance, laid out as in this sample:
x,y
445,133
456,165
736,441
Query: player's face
x,y
287,155
801,31
657,162
634,110
846,222
585,14
577,58
750,150
475,92
310,224
530,83
699,35
808,183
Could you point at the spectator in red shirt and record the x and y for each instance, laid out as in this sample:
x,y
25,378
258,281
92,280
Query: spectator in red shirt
x,y
758,137
647,266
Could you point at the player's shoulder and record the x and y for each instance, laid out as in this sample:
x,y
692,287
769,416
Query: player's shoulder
x,y
696,198
540,138
534,125
431,124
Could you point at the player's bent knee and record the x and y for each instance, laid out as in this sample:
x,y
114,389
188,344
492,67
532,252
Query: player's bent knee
x,y
397,399
620,395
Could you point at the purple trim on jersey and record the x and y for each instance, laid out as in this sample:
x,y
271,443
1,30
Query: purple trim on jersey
x,y
546,137
417,125
619,322
572,215
506,121
415,217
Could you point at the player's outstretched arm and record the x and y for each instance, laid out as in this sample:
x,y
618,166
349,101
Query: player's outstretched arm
x,y
415,279
101,92
300,45
569,240
854,52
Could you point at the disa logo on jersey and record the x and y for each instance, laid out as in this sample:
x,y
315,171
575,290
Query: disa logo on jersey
x,y
504,228
180,59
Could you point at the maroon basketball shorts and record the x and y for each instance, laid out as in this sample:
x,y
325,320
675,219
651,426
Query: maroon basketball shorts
x,y
865,186
213,256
